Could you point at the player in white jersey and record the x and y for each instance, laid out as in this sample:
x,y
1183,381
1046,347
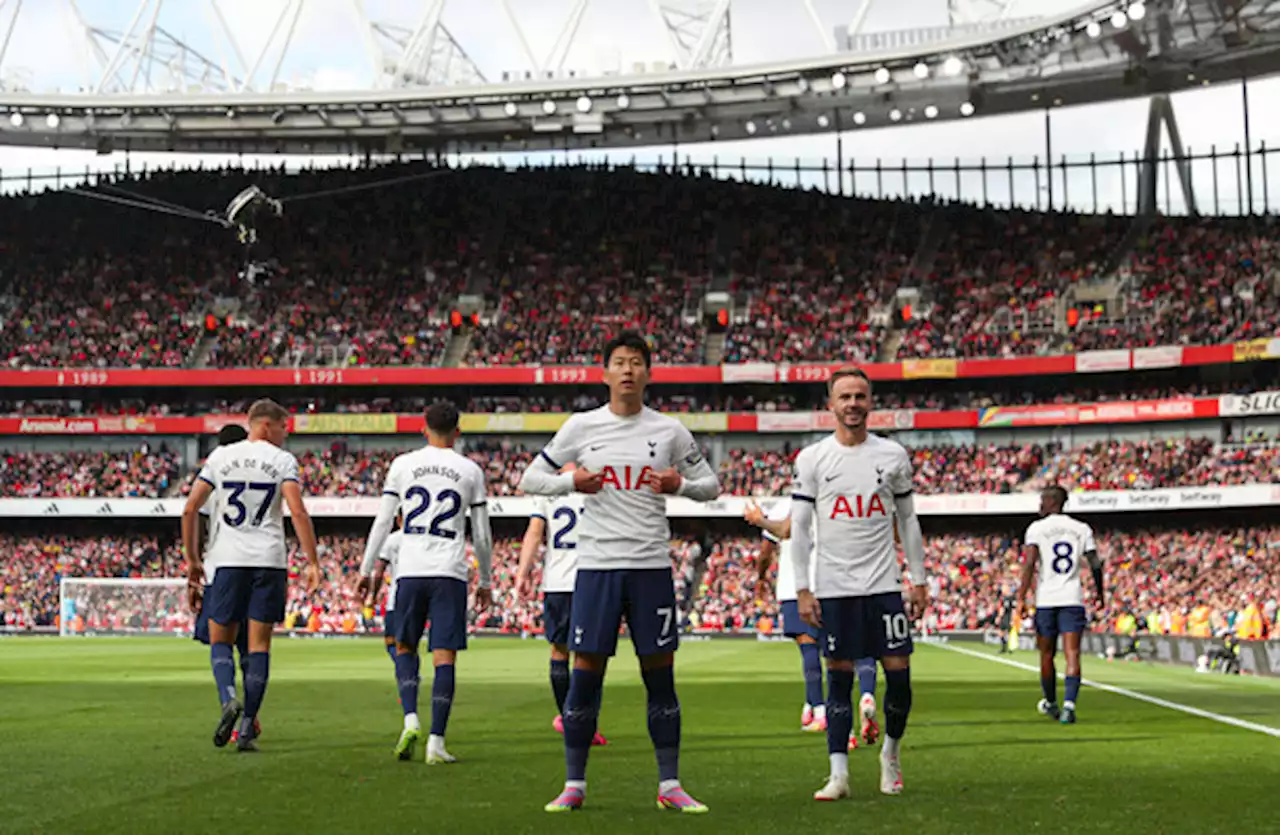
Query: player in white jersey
x,y
813,718
371,580
436,489
1059,545
555,522
248,483
629,458
849,489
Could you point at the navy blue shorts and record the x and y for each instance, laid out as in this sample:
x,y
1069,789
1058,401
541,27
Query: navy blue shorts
x,y
873,626
1052,621
645,597
239,594
389,622
793,626
442,600
557,608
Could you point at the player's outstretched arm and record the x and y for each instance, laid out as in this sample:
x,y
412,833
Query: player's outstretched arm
x,y
482,541
200,492
528,553
379,531
305,530
908,526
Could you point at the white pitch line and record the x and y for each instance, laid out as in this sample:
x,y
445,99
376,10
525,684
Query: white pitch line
x,y
1121,691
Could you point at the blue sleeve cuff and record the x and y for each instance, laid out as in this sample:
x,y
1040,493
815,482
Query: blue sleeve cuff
x,y
294,480
541,516
390,493
802,497
550,460
903,495
208,482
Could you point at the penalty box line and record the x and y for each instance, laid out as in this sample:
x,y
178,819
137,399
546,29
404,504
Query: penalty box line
x,y
1122,691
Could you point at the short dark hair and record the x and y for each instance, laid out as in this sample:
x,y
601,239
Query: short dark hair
x,y
842,373
268,409
628,339
442,417
232,433
1058,493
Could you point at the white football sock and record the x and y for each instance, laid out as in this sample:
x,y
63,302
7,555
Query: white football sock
x,y
840,765
411,722
668,785
891,746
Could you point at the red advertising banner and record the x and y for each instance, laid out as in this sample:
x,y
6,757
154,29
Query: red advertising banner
x,y
1135,411
1161,357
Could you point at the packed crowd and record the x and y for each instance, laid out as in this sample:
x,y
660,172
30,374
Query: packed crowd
x,y
564,256
340,470
1195,581
143,472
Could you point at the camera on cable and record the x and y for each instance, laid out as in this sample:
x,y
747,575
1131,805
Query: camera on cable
x,y
244,214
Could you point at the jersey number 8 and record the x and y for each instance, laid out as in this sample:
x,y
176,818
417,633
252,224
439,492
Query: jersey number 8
x,y
1062,553
448,501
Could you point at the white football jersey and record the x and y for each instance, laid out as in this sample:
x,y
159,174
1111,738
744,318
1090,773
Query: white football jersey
x,y
1062,542
786,589
391,556
436,487
246,517
853,490
625,524
562,516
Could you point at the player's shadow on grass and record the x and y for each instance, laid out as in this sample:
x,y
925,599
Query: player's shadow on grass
x,y
1001,743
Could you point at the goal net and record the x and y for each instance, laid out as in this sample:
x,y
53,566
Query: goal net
x,y
97,606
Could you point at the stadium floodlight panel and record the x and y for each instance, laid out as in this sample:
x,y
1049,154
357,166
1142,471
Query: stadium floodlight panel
x,y
895,115
510,108
15,119
859,118
1137,11
624,101
53,120
931,111
953,66
1119,19
838,80
921,70
750,127
966,108
1094,29
883,75
549,107
823,121
584,104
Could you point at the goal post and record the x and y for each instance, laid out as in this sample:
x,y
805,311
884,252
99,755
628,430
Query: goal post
x,y
121,606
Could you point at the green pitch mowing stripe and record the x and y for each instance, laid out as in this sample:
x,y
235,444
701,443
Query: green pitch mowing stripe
x,y
112,735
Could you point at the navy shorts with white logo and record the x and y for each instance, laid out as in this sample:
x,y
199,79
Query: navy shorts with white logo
x,y
1052,621
239,594
644,597
872,626
441,600
557,609
793,626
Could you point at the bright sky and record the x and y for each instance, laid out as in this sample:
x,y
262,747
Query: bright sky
x,y
329,52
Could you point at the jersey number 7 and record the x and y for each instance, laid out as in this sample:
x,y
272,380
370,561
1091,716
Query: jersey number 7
x,y
238,488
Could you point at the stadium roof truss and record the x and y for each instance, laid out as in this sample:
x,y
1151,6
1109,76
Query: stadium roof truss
x,y
152,91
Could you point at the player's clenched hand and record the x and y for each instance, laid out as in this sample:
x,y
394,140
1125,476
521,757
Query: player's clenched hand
x,y
524,585
364,587
311,576
484,599
753,515
810,610
195,595
667,481
585,481
918,600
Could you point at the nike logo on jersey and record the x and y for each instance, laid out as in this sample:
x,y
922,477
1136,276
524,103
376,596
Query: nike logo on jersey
x,y
831,478
595,448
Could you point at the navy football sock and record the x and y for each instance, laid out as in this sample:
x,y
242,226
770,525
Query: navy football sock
x,y
224,671
812,674
664,720
1073,688
441,698
391,651
560,683
255,689
866,670
897,702
1049,687
581,712
407,681
839,710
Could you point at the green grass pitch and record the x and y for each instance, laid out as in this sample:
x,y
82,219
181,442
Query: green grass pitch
x,y
113,735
